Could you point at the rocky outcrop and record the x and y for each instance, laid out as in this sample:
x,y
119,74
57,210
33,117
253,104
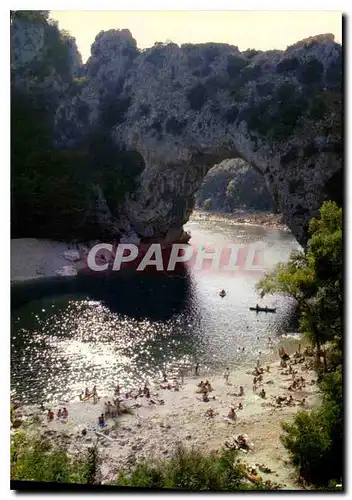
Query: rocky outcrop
x,y
187,108
43,59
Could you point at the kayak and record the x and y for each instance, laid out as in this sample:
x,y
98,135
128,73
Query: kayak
x,y
262,309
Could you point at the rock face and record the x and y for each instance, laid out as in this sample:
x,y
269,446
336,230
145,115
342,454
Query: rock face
x,y
185,109
35,69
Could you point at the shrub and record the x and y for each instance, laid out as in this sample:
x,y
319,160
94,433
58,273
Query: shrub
x,y
57,51
210,53
82,111
197,97
249,53
36,459
194,60
249,74
204,71
29,15
264,89
315,439
77,85
334,147
192,471
310,150
287,65
144,110
113,110
333,75
156,55
156,125
286,117
310,72
308,442
231,114
294,185
290,155
130,52
235,64
286,92
174,126
318,108
257,117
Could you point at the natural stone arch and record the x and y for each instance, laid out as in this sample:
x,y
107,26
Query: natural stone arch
x,y
184,109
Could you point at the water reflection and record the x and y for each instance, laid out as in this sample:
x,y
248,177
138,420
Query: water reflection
x,y
94,332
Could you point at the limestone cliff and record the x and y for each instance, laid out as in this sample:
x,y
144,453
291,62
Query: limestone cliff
x,y
187,108
43,59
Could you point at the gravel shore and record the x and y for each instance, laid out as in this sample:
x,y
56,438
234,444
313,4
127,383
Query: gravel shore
x,y
33,258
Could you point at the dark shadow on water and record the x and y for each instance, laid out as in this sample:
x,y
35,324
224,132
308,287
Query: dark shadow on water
x,y
137,295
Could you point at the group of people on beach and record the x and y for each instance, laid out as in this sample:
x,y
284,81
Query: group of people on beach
x,y
298,382
204,388
61,414
258,372
114,408
87,395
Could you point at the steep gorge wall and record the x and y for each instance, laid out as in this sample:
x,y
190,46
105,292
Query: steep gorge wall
x,y
185,109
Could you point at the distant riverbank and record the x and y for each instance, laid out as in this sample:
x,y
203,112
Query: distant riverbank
x,y
245,217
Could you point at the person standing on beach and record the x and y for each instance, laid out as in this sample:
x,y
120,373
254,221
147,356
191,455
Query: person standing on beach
x,y
196,371
226,375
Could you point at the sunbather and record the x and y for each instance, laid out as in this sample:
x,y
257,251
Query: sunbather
x,y
232,414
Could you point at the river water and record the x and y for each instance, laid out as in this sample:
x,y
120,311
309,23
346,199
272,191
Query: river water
x,y
85,333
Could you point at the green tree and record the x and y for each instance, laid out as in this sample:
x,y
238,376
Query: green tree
x,y
314,279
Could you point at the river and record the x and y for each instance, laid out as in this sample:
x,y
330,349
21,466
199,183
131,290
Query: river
x,y
73,336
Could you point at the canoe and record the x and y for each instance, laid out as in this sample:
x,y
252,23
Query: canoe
x,y
262,309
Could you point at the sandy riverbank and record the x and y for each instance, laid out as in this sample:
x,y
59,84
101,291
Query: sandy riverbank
x,y
154,430
33,258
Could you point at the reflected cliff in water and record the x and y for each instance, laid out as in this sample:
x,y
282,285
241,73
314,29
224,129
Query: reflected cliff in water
x,y
135,294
